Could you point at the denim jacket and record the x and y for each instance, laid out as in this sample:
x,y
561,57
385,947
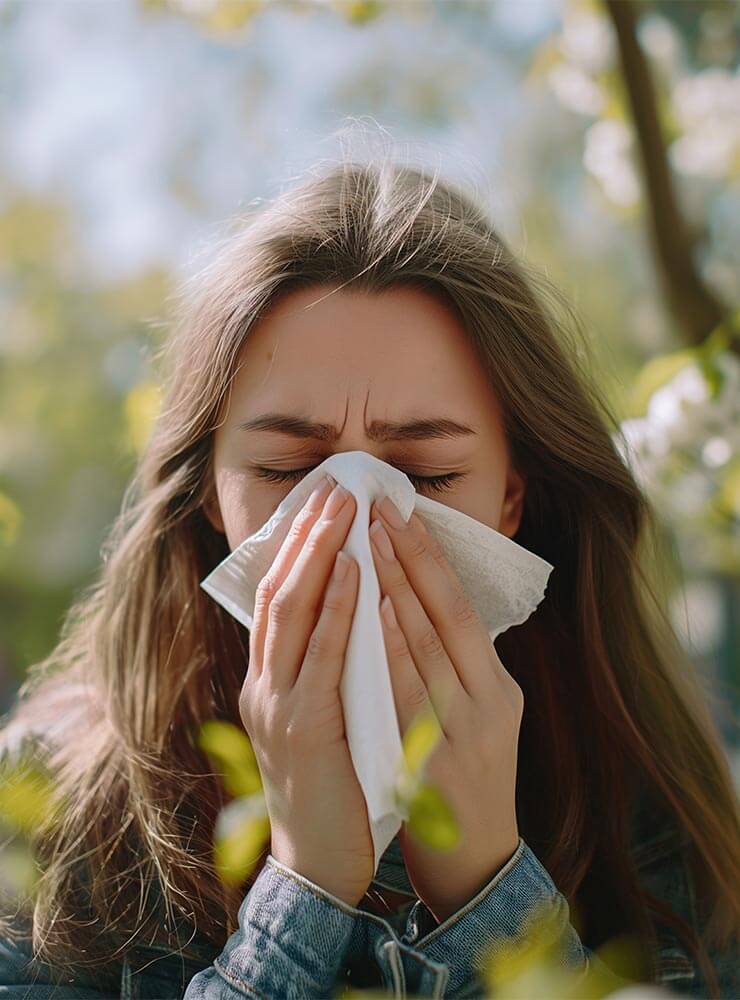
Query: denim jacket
x,y
296,940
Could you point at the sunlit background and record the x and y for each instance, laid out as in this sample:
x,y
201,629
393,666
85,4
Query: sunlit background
x,y
130,131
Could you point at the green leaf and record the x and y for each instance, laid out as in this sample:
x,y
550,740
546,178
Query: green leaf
x,y
432,820
420,739
713,375
26,796
656,373
242,831
230,747
362,11
231,15
19,872
141,406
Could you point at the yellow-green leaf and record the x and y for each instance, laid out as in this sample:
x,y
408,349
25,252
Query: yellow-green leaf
x,y
141,407
231,15
420,739
230,747
656,373
26,796
361,11
241,834
18,870
432,820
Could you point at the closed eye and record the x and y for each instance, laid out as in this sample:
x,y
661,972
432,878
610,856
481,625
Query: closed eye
x,y
437,484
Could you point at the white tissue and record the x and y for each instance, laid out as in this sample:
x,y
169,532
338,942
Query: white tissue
x,y
505,583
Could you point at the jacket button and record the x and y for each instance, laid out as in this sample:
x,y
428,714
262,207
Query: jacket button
x,y
412,931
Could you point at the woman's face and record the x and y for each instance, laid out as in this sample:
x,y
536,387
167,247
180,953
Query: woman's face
x,y
389,373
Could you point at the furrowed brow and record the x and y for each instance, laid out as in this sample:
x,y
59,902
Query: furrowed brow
x,y
379,430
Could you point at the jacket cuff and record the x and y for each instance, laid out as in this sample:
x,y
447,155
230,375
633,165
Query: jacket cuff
x,y
497,915
291,940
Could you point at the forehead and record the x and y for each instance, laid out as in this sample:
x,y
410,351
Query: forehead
x,y
318,342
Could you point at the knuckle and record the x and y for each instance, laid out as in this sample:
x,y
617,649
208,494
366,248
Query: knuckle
x,y
318,645
430,644
334,602
282,607
316,539
266,588
397,584
433,547
416,696
463,613
246,712
418,547
398,645
302,521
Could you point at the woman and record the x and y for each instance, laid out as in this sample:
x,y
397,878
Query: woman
x,y
374,307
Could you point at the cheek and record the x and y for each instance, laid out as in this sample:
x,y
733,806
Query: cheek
x,y
481,497
245,507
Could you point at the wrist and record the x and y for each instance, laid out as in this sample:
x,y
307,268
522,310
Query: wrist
x,y
466,888
320,875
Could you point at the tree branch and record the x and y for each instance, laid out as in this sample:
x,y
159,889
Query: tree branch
x,y
694,306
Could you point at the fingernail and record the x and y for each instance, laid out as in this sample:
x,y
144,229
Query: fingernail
x,y
336,501
391,513
341,565
320,491
386,610
380,536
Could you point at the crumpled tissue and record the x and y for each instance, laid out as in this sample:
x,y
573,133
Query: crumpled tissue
x,y
504,581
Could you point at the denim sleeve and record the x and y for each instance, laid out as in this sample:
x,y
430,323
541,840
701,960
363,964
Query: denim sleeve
x,y
496,916
290,943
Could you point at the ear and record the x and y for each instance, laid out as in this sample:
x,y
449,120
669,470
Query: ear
x,y
513,505
212,510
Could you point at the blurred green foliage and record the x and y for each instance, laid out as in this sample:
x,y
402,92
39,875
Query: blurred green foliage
x,y
75,402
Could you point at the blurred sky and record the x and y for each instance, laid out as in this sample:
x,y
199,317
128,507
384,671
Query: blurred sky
x,y
149,126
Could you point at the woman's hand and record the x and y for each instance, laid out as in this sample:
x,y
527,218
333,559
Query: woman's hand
x,y
442,659
290,703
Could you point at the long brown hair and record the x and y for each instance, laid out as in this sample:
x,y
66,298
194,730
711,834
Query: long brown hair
x,y
145,656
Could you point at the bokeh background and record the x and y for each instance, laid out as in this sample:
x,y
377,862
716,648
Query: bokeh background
x,y
605,138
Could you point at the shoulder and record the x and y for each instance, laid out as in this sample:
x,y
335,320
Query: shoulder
x,y
662,851
21,975
145,971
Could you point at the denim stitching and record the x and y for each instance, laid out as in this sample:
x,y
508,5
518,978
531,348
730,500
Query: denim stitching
x,y
238,982
316,890
399,979
455,917
440,983
327,897
323,894
441,974
421,957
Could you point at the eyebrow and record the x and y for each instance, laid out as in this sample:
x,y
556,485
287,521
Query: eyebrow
x,y
379,430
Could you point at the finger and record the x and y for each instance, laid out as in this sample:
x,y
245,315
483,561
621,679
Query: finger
x,y
295,607
410,694
268,585
445,603
327,646
431,661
